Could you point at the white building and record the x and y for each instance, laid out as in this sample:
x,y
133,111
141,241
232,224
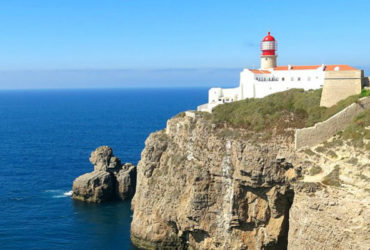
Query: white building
x,y
270,78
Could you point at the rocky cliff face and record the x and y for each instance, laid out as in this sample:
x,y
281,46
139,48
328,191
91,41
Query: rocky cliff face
x,y
331,208
201,187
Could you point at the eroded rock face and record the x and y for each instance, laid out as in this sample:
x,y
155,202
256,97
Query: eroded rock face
x,y
109,181
332,211
329,218
201,186
104,160
198,188
126,181
97,186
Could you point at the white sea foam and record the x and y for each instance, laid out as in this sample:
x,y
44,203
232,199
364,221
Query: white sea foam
x,y
69,193
60,193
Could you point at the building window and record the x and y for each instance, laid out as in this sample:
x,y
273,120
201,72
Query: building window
x,y
283,79
309,78
298,79
292,79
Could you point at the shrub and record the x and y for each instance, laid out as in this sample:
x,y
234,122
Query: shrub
x,y
356,132
332,154
314,170
332,179
353,161
309,152
365,92
320,149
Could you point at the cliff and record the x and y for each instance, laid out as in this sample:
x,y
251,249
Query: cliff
x,y
202,185
207,187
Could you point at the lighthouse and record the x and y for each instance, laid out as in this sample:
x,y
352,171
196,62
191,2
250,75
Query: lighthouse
x,y
268,48
338,81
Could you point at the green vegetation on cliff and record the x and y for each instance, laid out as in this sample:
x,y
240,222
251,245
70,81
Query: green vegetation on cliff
x,y
293,108
358,130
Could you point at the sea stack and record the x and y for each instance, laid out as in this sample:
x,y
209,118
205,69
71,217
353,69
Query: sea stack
x,y
109,181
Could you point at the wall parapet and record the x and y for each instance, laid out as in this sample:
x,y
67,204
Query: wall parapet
x,y
321,131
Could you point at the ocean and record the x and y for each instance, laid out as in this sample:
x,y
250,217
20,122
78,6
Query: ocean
x,y
46,137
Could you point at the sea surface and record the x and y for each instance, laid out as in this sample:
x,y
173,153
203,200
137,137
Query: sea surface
x,y
46,137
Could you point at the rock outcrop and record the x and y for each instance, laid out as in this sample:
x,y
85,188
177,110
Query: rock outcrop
x,y
207,186
126,181
109,181
96,186
331,208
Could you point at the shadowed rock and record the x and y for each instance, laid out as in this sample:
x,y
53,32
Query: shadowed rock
x,y
126,181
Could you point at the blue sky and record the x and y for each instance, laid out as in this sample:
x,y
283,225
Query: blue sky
x,y
82,44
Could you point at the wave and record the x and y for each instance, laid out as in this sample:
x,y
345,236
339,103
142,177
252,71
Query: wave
x,y
58,193
69,193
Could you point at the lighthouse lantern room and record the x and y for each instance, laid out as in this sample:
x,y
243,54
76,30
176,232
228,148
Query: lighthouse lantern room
x,y
268,48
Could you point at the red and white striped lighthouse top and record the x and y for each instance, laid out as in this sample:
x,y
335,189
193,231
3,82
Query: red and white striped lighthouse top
x,y
268,45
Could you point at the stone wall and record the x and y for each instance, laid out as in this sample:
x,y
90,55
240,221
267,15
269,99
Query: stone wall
x,y
338,85
322,131
366,82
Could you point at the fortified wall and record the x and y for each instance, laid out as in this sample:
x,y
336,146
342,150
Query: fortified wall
x,y
366,83
307,137
338,85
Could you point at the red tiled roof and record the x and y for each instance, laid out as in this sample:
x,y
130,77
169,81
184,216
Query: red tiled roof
x,y
341,67
297,67
327,67
257,71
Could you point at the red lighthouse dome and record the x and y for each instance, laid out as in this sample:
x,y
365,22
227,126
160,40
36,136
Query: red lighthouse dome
x,y
268,45
268,37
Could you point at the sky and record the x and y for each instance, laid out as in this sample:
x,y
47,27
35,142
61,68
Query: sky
x,y
137,43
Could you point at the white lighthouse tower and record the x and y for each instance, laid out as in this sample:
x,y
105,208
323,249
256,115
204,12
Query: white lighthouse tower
x,y
268,48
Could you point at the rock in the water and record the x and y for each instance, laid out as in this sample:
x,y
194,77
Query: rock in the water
x,y
126,181
109,181
97,186
104,160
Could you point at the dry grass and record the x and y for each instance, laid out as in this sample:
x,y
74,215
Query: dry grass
x,y
294,108
358,130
